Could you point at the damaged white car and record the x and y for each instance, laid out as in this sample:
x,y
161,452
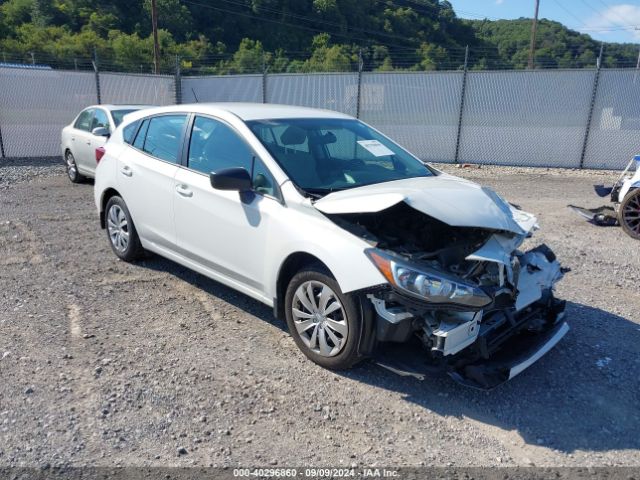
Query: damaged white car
x,y
625,196
355,242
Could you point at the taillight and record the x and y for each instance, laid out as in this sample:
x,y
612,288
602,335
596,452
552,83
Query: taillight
x,y
100,151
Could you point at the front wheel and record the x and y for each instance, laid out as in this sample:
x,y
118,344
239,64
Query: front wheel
x,y
325,323
629,214
122,233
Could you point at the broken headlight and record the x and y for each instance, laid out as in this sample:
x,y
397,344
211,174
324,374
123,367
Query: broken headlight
x,y
427,284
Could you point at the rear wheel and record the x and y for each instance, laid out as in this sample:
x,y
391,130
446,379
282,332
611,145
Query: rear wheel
x,y
121,231
325,323
629,214
72,168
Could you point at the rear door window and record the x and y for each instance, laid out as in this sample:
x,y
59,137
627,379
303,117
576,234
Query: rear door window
x,y
163,138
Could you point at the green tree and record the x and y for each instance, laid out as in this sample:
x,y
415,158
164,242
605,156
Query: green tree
x,y
329,58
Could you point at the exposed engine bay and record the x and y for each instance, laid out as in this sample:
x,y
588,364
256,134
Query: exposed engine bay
x,y
467,295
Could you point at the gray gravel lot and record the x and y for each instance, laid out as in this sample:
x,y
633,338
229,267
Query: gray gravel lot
x,y
107,363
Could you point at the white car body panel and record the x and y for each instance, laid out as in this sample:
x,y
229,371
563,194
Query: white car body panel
x,y
632,181
221,232
446,198
243,239
148,182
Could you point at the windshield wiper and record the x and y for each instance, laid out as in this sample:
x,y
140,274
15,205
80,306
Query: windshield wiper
x,y
321,192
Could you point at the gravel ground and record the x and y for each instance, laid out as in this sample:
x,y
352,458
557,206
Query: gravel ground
x,y
105,363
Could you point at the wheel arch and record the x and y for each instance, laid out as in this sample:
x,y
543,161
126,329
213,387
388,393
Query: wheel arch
x,y
106,195
297,261
291,265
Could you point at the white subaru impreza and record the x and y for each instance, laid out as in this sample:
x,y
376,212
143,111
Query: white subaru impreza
x,y
358,244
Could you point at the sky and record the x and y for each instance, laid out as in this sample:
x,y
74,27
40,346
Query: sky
x,y
605,20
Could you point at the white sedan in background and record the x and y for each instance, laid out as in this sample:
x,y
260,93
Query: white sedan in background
x,y
89,131
352,240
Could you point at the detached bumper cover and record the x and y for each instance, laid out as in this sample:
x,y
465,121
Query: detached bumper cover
x,y
486,375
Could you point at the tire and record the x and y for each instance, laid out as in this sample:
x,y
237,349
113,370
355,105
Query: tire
x,y
343,318
121,232
72,168
629,214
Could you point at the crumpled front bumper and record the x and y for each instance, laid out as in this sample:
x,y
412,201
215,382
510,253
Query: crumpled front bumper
x,y
503,355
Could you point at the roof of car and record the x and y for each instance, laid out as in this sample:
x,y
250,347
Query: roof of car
x,y
111,106
252,111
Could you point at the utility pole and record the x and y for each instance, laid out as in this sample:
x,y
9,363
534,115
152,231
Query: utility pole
x,y
156,46
534,28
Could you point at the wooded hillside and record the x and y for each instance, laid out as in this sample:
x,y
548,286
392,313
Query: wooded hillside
x,y
241,36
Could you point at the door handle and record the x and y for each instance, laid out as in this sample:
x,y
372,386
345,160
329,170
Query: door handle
x,y
126,171
184,191
88,142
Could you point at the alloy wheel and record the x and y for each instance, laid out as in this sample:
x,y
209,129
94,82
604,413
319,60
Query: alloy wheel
x,y
631,214
72,168
118,228
319,318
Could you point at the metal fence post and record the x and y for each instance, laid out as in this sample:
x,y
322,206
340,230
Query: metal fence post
x,y
97,73
594,94
462,96
359,90
1,144
264,79
178,82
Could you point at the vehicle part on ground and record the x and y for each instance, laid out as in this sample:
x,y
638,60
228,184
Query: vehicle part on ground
x,y
605,216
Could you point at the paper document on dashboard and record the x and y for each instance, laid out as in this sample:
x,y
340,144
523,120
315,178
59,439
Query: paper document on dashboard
x,y
375,148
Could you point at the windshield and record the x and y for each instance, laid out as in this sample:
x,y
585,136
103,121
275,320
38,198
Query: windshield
x,y
322,155
118,115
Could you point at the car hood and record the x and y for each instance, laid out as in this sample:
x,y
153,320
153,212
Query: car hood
x,y
452,200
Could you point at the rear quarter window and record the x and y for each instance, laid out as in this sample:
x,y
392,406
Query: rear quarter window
x,y
129,132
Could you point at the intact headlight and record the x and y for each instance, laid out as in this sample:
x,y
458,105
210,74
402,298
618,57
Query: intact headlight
x,y
426,284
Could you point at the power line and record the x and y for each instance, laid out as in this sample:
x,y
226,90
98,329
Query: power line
x,y
312,19
569,12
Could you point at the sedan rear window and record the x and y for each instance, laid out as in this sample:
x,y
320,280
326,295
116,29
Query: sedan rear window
x,y
118,115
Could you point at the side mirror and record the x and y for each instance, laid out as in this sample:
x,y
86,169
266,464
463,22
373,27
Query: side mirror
x,y
101,132
236,178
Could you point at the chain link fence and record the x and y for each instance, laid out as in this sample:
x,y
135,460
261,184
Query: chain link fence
x,y
227,88
587,118
531,118
420,112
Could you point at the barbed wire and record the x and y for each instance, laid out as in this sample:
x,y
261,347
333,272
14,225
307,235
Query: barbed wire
x,y
305,62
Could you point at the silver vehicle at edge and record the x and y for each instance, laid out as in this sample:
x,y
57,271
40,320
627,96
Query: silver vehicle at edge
x,y
88,132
